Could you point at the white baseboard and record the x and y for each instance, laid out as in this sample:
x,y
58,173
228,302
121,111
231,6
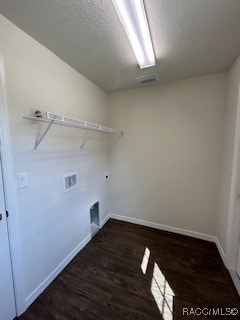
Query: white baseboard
x,y
163,227
46,282
236,280
220,250
102,223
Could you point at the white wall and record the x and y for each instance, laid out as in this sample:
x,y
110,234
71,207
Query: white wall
x,y
166,168
228,173
51,223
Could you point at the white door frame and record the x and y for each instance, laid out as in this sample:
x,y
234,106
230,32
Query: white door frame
x,y
233,228
10,197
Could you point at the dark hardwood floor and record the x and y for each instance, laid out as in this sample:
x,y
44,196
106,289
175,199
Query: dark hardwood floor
x,y
109,279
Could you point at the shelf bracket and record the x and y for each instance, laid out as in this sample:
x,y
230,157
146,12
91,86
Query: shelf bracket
x,y
87,139
43,135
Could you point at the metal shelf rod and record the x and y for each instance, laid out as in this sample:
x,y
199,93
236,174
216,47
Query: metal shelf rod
x,y
42,137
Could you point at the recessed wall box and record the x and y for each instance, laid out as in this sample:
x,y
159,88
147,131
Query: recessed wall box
x,y
70,181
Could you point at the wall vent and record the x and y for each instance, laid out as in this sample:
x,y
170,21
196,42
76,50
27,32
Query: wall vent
x,y
70,181
94,217
147,79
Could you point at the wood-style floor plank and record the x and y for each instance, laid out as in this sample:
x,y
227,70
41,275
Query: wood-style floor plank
x,y
106,281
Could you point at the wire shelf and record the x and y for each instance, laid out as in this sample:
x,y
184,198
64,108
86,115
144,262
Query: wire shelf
x,y
54,118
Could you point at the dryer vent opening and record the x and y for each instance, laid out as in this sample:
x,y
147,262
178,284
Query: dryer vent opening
x,y
94,217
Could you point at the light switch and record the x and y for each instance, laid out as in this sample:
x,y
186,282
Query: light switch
x,y
22,180
84,187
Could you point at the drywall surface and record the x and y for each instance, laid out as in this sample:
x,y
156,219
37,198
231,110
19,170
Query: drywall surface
x,y
233,83
166,167
52,223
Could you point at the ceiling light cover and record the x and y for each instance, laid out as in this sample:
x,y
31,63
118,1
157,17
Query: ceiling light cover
x,y
133,17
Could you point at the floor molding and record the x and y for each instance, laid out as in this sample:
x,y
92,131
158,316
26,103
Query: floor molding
x,y
105,220
163,227
46,282
220,250
236,280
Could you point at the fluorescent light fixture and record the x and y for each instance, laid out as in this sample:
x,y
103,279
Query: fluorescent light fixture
x,y
133,17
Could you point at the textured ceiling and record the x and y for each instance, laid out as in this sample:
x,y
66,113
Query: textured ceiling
x,y
190,37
